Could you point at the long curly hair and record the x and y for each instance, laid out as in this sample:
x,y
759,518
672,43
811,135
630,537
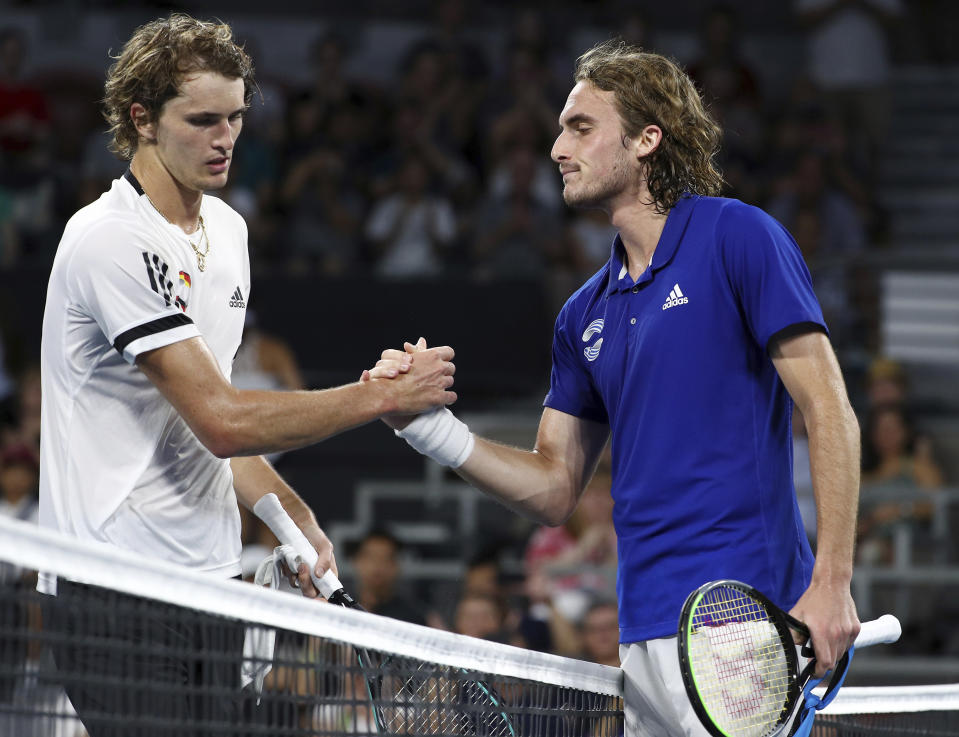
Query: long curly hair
x,y
154,62
650,89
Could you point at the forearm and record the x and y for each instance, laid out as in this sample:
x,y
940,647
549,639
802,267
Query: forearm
x,y
834,463
254,477
525,481
250,423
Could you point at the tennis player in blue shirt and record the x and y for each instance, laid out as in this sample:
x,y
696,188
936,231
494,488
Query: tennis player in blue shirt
x,y
689,348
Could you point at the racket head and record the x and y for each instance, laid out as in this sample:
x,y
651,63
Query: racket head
x,y
738,660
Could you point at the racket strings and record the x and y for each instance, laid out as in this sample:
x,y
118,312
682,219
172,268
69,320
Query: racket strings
x,y
739,664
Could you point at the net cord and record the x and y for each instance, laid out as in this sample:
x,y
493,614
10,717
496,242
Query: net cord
x,y
28,546
893,699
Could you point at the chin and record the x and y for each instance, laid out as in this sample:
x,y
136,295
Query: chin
x,y
578,199
215,181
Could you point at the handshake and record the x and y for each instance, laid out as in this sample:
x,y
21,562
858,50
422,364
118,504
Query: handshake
x,y
418,383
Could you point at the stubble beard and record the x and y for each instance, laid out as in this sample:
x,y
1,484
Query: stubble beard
x,y
599,193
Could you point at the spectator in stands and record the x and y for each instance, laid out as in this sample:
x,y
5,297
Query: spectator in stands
x,y
849,60
727,81
828,229
579,557
411,230
411,137
599,631
24,109
589,238
19,479
25,426
516,230
330,86
568,566
484,575
26,183
520,109
732,93
376,563
468,73
895,459
323,214
886,383
264,361
481,615
810,189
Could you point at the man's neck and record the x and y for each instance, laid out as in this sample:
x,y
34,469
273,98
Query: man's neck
x,y
640,228
178,204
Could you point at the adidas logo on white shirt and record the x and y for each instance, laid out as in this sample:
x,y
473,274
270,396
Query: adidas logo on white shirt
x,y
237,299
675,298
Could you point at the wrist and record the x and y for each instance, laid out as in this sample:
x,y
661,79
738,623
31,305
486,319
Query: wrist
x,y
439,435
832,575
382,399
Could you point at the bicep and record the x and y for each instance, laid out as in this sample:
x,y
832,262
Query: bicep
x,y
808,367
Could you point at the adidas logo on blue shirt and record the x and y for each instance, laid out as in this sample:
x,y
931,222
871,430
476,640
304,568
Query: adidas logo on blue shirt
x,y
675,298
237,299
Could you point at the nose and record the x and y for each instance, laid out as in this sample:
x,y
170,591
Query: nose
x,y
226,134
558,152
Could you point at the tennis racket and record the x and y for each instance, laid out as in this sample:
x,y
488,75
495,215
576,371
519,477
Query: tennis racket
x,y
407,696
739,661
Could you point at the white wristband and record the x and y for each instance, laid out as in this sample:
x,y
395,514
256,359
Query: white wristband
x,y
439,435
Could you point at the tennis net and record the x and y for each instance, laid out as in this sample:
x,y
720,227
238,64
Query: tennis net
x,y
146,649
922,711
142,648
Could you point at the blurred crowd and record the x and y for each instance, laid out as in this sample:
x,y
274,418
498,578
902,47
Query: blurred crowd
x,y
445,170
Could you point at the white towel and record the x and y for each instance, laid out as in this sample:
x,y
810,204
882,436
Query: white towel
x,y
258,642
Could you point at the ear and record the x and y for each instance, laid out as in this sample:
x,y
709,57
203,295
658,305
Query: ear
x,y
143,122
647,141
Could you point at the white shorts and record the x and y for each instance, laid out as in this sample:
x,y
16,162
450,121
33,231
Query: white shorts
x,y
655,702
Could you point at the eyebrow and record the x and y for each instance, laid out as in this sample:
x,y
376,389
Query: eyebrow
x,y
577,118
211,113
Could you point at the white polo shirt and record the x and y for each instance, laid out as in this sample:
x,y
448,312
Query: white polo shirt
x,y
118,464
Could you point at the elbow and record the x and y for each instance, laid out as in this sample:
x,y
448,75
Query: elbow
x,y
223,435
221,443
557,510
223,449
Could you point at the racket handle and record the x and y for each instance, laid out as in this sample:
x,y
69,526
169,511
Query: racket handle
x,y
269,509
878,631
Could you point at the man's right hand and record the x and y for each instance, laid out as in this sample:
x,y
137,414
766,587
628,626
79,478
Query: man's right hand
x,y
394,364
424,385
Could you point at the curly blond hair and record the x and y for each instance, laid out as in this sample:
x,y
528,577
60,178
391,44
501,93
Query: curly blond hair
x,y
153,64
650,89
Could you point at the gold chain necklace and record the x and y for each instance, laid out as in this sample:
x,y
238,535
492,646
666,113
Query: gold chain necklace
x,y
200,257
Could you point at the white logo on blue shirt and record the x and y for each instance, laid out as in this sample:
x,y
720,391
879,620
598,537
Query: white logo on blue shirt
x,y
675,298
594,328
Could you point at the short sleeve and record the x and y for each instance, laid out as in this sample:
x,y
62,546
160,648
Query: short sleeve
x,y
571,388
768,275
136,297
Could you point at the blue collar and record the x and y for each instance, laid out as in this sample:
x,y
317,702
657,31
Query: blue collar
x,y
676,222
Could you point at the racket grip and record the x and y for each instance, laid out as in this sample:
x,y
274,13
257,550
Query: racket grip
x,y
878,631
269,509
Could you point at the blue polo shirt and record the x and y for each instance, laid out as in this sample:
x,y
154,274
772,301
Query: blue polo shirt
x,y
676,363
